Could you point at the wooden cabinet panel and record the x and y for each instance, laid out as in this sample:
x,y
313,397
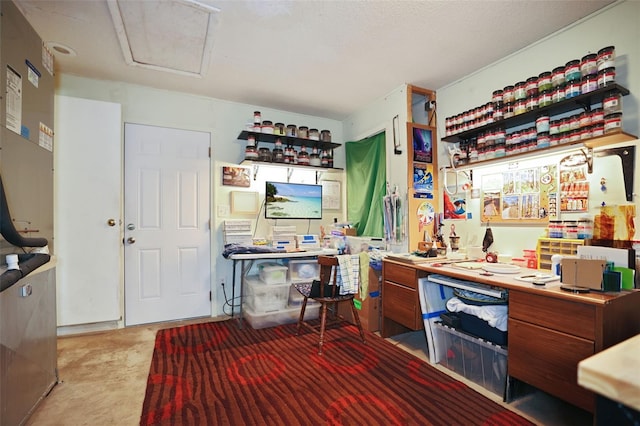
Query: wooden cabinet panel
x,y
574,318
401,274
548,359
400,305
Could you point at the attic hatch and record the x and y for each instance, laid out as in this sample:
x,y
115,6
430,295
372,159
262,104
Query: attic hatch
x,y
170,35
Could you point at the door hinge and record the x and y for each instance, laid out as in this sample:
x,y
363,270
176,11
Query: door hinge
x,y
210,296
209,152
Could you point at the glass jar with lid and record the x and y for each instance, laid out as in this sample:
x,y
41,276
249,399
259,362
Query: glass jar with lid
x,y
314,158
303,156
278,153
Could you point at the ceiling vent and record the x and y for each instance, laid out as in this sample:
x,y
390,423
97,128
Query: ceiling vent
x,y
171,35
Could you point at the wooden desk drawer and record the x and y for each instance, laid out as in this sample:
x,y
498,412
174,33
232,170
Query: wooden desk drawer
x,y
548,360
399,304
401,274
574,318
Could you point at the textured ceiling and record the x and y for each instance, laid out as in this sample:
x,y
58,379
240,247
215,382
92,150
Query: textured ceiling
x,y
322,58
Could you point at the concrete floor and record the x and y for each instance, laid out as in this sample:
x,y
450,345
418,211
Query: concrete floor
x,y
103,379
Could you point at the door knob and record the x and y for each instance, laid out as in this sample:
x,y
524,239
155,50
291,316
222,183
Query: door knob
x,y
111,222
131,240
131,227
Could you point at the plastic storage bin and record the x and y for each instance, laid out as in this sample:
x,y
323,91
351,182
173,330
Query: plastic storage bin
x,y
259,320
272,273
303,270
265,298
481,362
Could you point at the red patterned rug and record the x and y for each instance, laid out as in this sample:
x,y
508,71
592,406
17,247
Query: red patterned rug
x,y
218,374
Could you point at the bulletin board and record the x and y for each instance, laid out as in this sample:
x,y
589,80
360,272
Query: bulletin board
x,y
520,196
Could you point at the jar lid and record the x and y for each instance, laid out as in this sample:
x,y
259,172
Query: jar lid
x,y
606,49
589,56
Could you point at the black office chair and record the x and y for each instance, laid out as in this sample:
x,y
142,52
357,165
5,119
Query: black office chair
x,y
326,292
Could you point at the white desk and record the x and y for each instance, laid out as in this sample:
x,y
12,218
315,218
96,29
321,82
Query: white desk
x,y
247,259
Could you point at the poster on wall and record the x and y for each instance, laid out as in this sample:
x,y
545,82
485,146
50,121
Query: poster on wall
x,y
455,205
422,178
422,142
425,213
236,176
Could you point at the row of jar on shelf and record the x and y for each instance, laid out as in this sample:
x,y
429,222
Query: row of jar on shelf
x,y
491,112
291,130
288,155
545,134
576,77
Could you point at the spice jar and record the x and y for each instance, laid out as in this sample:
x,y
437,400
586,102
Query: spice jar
x,y
314,158
531,86
572,71
507,94
589,84
292,130
544,81
606,77
303,156
558,94
520,91
257,117
545,99
278,129
557,77
303,132
613,123
314,134
572,89
589,65
606,57
612,102
325,136
264,154
496,97
267,127
278,153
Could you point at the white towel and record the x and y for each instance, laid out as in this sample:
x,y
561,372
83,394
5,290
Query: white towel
x,y
348,273
495,315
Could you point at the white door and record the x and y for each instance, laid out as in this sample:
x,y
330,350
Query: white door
x,y
88,191
166,224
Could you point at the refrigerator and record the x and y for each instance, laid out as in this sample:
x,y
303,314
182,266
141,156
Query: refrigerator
x,y
28,350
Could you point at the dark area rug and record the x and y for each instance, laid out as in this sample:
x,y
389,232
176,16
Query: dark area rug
x,y
219,374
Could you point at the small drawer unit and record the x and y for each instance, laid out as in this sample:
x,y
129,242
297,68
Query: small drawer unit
x,y
547,247
477,360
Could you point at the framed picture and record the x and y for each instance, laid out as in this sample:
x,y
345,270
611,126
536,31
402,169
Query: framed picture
x,y
236,176
421,141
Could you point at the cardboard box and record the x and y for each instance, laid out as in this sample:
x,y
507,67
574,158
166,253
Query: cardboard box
x,y
585,273
369,309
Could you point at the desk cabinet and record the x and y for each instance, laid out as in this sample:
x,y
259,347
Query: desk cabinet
x,y
549,336
401,311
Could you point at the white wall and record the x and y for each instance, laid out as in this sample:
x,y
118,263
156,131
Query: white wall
x,y
617,25
224,120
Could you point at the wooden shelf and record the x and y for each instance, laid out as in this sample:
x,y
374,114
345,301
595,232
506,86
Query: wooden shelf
x,y
598,142
256,163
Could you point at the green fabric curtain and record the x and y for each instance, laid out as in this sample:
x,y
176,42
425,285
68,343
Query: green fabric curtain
x,y
366,182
